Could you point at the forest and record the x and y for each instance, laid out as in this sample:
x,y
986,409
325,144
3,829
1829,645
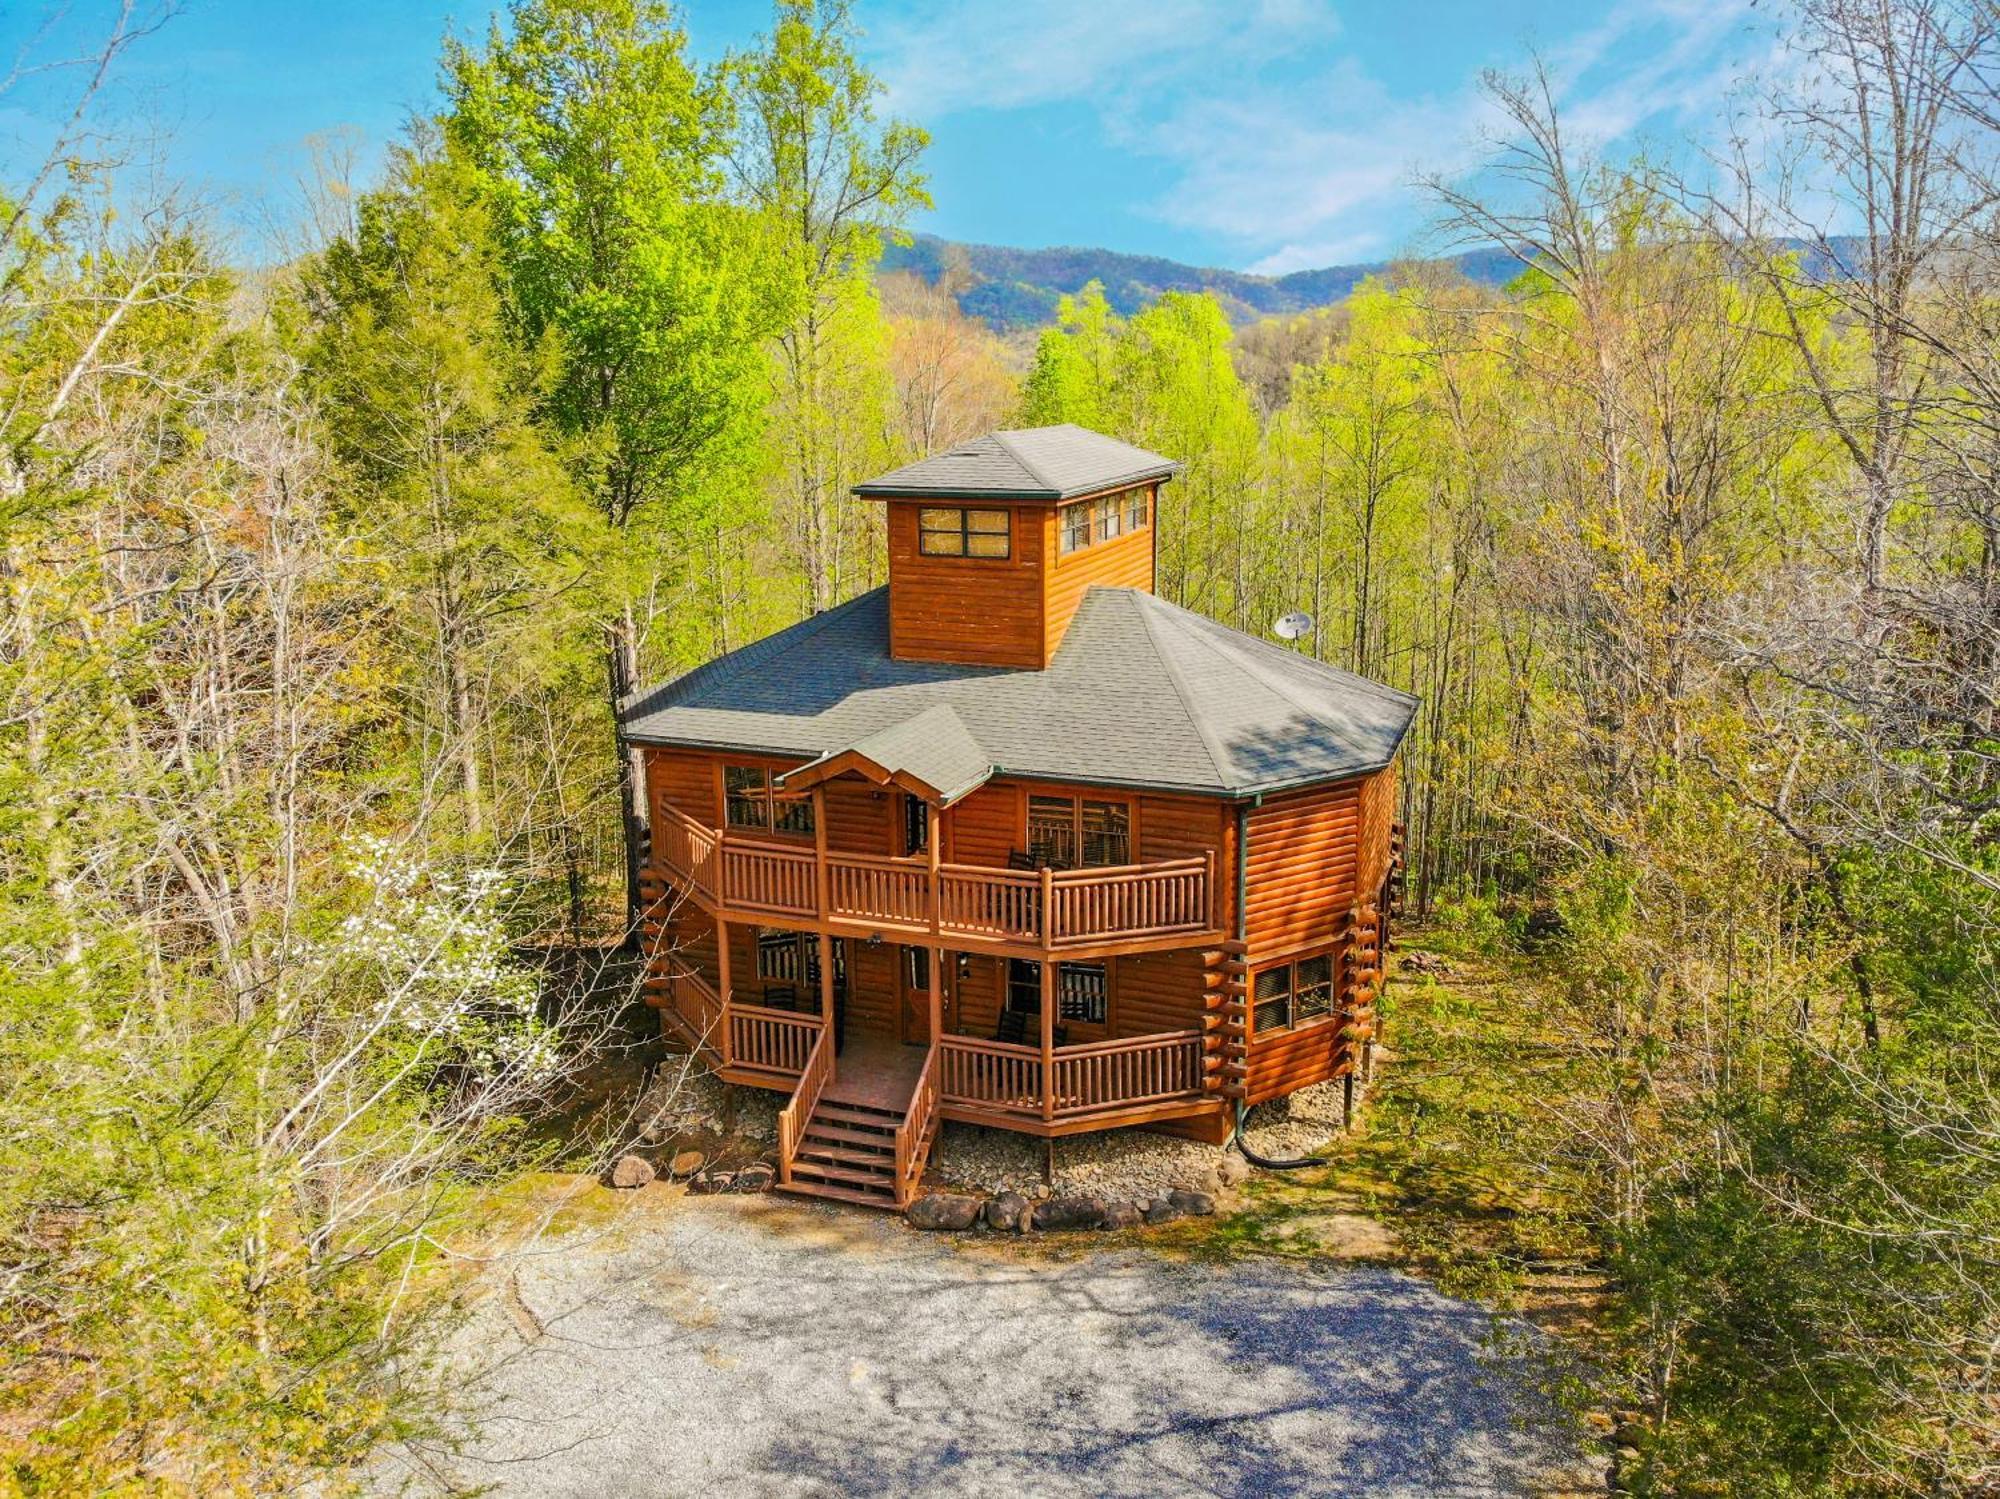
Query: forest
x,y
323,570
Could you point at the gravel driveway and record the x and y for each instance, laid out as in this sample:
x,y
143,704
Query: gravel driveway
x,y
750,1346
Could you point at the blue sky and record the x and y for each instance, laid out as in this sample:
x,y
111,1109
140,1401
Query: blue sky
x,y
1266,135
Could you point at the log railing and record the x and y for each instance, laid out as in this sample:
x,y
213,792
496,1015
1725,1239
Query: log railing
x,y
1130,900
771,1040
699,1007
1100,1077
996,1077
1063,908
913,1135
1133,1070
868,889
974,901
797,1114
760,877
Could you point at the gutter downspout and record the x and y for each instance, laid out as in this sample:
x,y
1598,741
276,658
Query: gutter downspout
x,y
1243,811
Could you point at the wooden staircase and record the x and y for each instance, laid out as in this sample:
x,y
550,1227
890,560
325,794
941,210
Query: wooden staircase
x,y
848,1152
860,1130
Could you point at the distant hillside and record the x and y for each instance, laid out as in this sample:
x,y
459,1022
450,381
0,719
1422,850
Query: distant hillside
x,y
1015,289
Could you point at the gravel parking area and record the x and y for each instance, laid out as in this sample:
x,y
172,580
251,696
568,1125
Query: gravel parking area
x,y
764,1346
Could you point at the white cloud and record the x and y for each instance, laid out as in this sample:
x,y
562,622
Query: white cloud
x,y
1298,166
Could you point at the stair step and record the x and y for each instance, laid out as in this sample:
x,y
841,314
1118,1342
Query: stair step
x,y
824,1171
841,1194
854,1114
818,1127
814,1151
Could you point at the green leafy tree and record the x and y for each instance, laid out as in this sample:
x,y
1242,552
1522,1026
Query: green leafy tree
x,y
831,182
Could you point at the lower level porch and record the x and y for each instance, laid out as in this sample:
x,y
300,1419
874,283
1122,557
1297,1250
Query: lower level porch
x,y
869,1074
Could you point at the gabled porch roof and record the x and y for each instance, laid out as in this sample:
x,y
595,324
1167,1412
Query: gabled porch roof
x,y
932,755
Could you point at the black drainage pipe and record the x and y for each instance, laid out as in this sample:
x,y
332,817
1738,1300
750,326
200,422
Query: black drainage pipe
x,y
1243,1113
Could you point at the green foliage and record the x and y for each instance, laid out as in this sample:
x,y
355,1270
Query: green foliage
x,y
602,154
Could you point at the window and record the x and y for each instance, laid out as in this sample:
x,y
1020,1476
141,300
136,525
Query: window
x,y
1065,832
1076,527
793,958
1293,993
748,801
780,956
1083,990
965,533
1105,518
916,825
1138,509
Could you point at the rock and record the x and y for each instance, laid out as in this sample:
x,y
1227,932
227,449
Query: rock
x,y
631,1171
1599,1422
1197,1204
756,1178
943,1210
1162,1210
1628,1434
1234,1171
1008,1213
1069,1212
686,1163
1121,1214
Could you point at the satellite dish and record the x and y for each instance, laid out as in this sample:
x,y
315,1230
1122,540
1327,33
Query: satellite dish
x,y
1294,626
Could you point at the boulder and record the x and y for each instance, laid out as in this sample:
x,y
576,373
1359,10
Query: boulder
x,y
1008,1213
1069,1212
1161,1210
1234,1171
754,1178
686,1163
1121,1214
943,1210
1195,1204
631,1171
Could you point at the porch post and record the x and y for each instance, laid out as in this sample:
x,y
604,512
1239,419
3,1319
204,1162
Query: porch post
x,y
1048,1035
826,979
933,835
819,854
722,985
937,994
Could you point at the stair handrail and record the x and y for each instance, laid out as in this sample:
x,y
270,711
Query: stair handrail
x,y
913,1134
797,1114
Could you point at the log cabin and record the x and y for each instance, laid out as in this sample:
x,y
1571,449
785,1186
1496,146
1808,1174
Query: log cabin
x,y
1012,841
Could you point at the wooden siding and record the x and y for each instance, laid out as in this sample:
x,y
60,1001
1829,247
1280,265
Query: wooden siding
x,y
1378,811
1302,866
977,610
1156,991
684,780
1125,562
984,827
860,817
975,985
1303,858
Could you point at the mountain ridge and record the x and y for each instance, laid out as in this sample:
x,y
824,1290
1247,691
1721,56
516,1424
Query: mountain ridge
x,y
1012,289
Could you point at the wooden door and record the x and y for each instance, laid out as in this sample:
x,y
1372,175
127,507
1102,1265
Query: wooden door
x,y
913,1011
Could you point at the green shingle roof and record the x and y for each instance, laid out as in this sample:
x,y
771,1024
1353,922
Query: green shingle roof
x,y
1141,693
1033,463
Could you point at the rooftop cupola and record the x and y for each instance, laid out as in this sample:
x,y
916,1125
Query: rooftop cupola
x,y
992,544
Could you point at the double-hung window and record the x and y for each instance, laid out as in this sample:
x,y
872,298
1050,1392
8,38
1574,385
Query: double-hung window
x,y
1291,994
1083,990
965,533
1066,832
750,801
1105,518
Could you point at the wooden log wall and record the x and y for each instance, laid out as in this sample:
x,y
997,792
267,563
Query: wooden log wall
x,y
978,610
1123,562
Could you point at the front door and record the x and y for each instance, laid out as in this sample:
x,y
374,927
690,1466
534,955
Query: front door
x,y
914,1010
